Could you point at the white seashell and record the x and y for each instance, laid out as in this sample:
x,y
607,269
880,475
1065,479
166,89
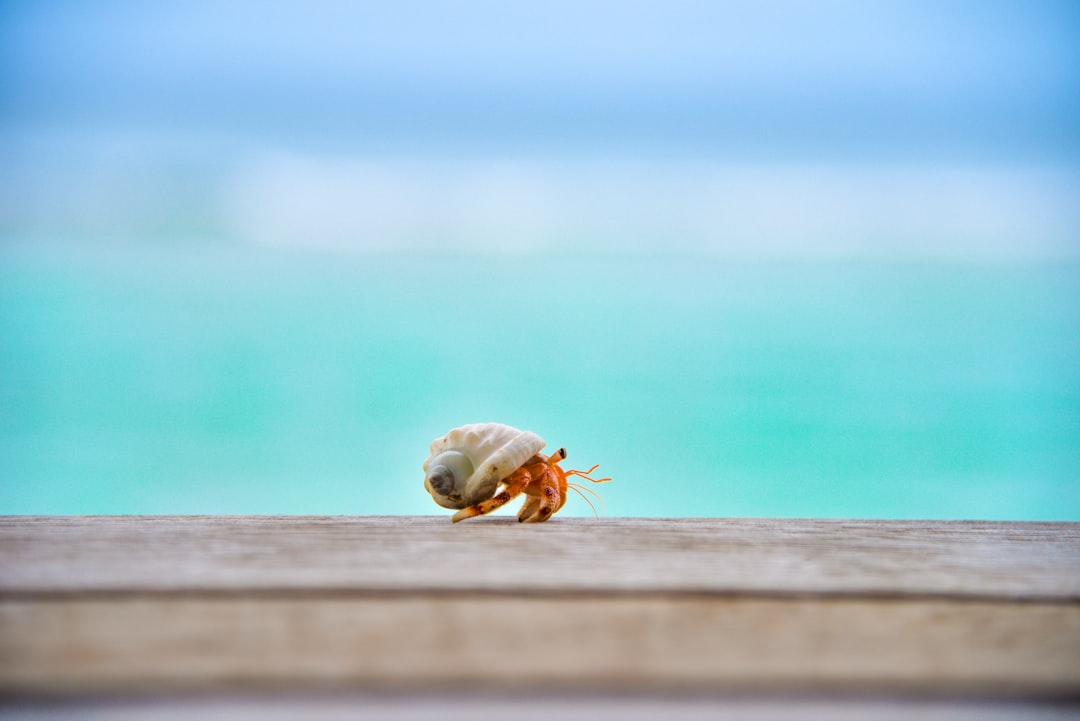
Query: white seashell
x,y
465,466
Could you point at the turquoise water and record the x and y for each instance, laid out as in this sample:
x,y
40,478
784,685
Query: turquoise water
x,y
250,380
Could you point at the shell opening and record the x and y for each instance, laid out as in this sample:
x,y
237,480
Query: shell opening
x,y
449,469
441,479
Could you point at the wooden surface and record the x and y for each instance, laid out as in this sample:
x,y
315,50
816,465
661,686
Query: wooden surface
x,y
914,611
1022,561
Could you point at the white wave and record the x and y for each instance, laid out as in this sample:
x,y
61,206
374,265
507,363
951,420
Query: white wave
x,y
612,206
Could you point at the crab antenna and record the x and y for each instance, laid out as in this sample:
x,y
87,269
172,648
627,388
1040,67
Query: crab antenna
x,y
590,491
577,489
585,475
582,489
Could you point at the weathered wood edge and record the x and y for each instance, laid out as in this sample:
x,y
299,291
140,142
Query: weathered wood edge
x,y
533,705
116,555
906,647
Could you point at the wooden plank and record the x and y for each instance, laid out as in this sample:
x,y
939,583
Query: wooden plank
x,y
1031,561
558,644
534,705
670,606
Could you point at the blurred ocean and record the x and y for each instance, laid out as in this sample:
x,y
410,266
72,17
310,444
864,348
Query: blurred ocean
x,y
762,258
247,380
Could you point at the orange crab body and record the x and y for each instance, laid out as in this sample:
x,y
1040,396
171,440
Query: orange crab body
x,y
481,467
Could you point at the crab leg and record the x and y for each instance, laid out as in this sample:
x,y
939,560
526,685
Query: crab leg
x,y
532,503
528,512
548,495
515,483
534,489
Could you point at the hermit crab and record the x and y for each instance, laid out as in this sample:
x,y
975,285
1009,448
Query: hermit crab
x,y
467,466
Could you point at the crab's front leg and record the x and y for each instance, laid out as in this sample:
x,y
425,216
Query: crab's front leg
x,y
545,496
541,473
532,503
515,483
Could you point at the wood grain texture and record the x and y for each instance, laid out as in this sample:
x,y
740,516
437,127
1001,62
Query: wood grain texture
x,y
672,606
556,644
534,705
1034,561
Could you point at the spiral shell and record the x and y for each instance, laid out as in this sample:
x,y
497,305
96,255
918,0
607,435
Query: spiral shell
x,y
465,466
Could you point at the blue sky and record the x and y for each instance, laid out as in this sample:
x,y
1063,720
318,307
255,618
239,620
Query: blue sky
x,y
771,79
